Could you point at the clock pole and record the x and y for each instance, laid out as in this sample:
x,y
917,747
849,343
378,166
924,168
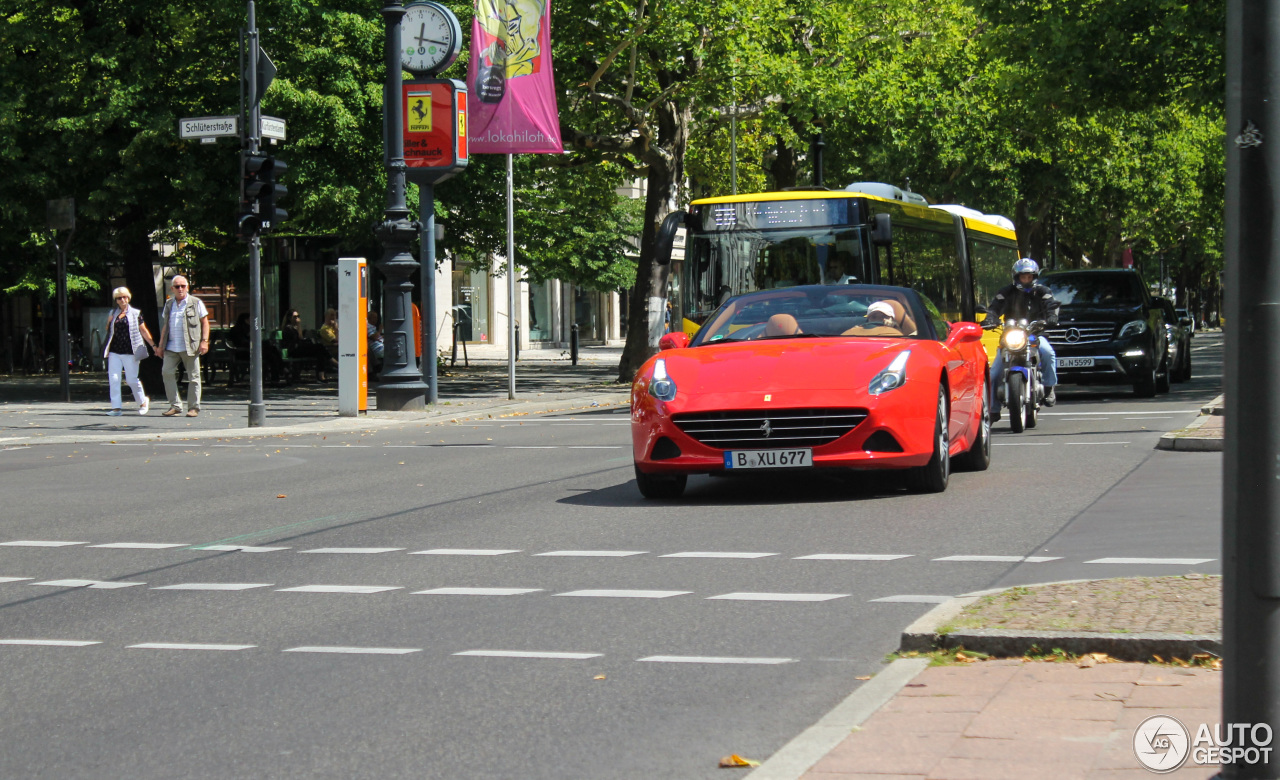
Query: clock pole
x,y
400,386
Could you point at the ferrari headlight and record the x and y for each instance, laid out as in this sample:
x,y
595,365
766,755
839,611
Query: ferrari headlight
x,y
892,377
1014,339
1133,328
662,386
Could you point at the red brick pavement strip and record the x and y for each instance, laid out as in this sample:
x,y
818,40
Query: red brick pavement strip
x,y
1023,719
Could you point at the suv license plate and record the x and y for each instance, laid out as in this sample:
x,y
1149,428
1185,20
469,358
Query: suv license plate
x,y
1075,362
768,459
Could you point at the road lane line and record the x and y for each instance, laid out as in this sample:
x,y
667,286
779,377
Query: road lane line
x,y
339,589
911,599
28,543
711,659
214,586
1021,444
1155,561
851,557
529,654
98,584
1159,411
591,553
15,579
186,646
462,551
717,555
353,550
1069,443
627,594
999,558
48,642
238,548
596,447
779,596
138,546
354,650
475,591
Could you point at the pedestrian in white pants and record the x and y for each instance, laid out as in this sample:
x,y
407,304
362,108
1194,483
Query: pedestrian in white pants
x,y
127,342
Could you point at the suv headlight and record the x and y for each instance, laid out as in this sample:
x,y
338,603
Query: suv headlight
x,y
892,377
1014,339
662,386
1135,328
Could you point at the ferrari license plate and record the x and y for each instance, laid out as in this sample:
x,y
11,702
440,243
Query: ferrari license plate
x,y
1075,362
768,459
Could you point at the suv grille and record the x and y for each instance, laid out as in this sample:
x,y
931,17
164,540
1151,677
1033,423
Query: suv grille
x,y
772,429
1084,333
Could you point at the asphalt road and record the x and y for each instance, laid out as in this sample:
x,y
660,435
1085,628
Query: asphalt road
x,y
256,607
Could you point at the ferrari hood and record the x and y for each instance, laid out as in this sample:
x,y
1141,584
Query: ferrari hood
x,y
781,364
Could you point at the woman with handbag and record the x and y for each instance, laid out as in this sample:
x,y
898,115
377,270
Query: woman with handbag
x,y
128,341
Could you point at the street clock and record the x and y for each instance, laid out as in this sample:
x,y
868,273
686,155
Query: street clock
x,y
431,38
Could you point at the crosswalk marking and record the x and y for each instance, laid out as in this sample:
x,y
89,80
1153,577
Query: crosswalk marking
x,y
214,586
339,589
353,550
459,551
355,650
627,594
88,584
717,555
779,596
711,659
476,591
27,543
49,642
851,557
529,654
186,646
1157,561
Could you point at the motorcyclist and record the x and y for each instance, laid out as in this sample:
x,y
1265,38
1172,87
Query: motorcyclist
x,y
1025,299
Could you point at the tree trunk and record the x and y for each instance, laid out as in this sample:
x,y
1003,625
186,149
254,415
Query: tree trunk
x,y
785,166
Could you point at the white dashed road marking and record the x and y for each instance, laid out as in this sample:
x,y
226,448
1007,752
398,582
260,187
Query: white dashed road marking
x,y
356,650
529,654
1164,561
909,599
591,553
14,579
717,555
138,546
215,586
48,642
999,558
779,596
353,550
238,548
448,551
627,594
88,584
476,591
339,589
850,557
711,659
39,544
185,646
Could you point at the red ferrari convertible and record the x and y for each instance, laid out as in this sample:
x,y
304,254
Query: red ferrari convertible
x,y
830,376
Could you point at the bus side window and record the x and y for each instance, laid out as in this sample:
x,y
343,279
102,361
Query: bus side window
x,y
930,265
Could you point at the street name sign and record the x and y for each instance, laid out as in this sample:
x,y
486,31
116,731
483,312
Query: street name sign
x,y
208,126
273,127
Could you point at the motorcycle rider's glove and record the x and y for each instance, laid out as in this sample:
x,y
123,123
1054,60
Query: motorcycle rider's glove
x,y
1036,326
991,323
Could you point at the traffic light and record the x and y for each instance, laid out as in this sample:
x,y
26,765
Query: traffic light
x,y
262,187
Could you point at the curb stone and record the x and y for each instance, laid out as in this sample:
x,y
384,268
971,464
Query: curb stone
x,y
1192,438
923,636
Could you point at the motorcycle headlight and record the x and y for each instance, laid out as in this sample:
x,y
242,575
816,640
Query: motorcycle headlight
x,y
1014,339
892,377
662,386
1134,328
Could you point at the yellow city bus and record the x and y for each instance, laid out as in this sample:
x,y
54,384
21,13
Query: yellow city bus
x,y
869,232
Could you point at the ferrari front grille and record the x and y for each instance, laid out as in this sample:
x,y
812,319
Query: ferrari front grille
x,y
769,429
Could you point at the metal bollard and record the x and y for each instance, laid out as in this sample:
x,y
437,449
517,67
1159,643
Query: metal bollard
x,y
573,344
517,341
453,357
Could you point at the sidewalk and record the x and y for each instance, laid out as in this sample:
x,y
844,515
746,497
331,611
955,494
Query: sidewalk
x,y
31,411
1048,714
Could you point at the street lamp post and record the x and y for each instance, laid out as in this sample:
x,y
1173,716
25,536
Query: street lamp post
x,y
400,386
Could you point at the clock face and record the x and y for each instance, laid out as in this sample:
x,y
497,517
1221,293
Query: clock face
x,y
430,38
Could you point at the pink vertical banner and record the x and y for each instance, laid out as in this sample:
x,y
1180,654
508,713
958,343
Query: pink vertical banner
x,y
513,109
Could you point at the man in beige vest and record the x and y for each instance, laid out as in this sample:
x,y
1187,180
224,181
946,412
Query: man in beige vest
x,y
184,335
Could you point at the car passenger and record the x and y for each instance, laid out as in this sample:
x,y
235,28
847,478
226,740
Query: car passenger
x,y
881,321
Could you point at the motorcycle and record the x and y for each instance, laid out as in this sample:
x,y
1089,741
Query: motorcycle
x,y
1020,389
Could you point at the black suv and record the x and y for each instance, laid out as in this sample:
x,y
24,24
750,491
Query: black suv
x,y
1110,330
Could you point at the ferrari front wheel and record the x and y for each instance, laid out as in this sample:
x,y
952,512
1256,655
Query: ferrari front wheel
x,y
978,458
932,477
660,485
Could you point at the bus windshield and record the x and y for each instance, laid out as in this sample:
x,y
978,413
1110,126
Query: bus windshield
x,y
721,265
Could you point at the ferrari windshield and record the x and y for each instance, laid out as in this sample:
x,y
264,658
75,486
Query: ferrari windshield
x,y
818,311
